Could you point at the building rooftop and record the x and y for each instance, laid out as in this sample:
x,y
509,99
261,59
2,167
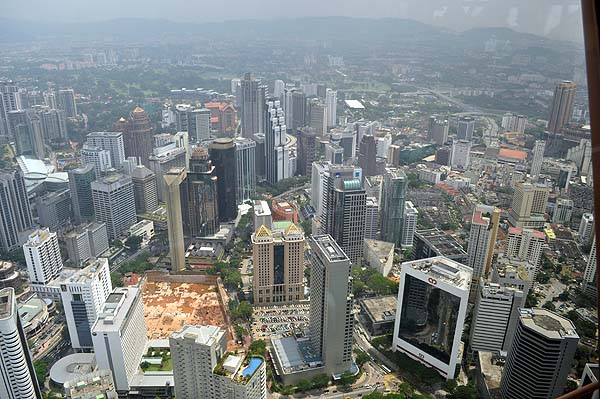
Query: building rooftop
x,y
548,323
71,367
104,134
442,243
115,309
6,303
442,269
293,354
329,247
205,335
381,248
382,308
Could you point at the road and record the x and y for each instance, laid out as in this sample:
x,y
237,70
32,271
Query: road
x,y
115,266
366,346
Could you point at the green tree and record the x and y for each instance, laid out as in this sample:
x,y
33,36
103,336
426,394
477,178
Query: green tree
x,y
134,242
41,369
347,378
116,279
361,357
531,301
258,347
303,385
549,305
464,392
320,381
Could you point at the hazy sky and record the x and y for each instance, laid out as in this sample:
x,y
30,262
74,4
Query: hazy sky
x,y
558,18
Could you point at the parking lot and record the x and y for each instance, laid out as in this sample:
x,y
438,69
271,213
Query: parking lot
x,y
268,321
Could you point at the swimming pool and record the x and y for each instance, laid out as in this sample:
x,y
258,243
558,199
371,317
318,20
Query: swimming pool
x,y
255,363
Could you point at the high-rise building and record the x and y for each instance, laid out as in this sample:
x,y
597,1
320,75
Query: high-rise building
x,y
80,187
278,258
586,228
202,367
334,154
173,179
438,130
461,154
278,89
372,219
119,335
317,116
494,317
563,210
86,242
561,109
222,155
276,153
331,102
252,105
199,198
529,205
409,224
540,357
525,244
538,157
259,161
307,143
367,155
54,209
137,135
114,203
392,197
162,160
97,157
10,100
245,161
590,276
482,240
262,214
66,102
82,297
514,123
199,125
433,297
19,380
466,126
42,255
330,319
295,109
145,189
98,384
111,141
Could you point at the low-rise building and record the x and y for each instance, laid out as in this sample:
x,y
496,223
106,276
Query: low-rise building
x,y
379,255
378,314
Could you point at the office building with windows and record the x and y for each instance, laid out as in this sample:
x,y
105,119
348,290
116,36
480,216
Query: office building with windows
x,y
245,162
42,256
482,240
15,213
222,155
391,199
110,141
80,187
114,203
561,109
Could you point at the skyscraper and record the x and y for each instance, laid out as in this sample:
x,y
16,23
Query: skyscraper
x,y
409,224
438,130
540,357
15,213
466,126
114,203
18,380
348,217
98,157
111,141
173,179
331,102
538,157
137,136
42,255
10,100
590,276
80,187
307,143
245,161
391,198
199,125
561,109
162,160
222,155
482,239
433,297
278,89
278,258
461,154
525,244
252,105
317,116
372,219
145,189
276,154
367,156
86,242
586,228
66,102
199,198
528,205
54,209
563,210
331,320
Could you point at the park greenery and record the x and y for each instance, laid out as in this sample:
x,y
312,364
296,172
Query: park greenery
x,y
139,265
229,273
368,280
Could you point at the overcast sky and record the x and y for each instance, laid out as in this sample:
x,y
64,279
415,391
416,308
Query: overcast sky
x,y
556,18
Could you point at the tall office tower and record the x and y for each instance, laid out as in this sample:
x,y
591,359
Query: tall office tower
x,y
111,141
331,102
590,276
323,184
296,110
145,189
119,335
199,198
539,359
202,367
307,143
409,224
82,297
15,213
96,385
466,126
98,157
331,321
586,228
494,317
461,154
161,161
42,255
222,156
50,99
245,158
391,199
252,105
538,157
433,297
334,154
138,135
80,187
19,380
525,244
563,210
259,164
199,125
276,154
10,100
26,130
528,205
438,130
66,102
86,242
482,240
54,209
372,219
562,106
278,89
317,116
114,203
514,123
235,85
278,258
173,180
367,156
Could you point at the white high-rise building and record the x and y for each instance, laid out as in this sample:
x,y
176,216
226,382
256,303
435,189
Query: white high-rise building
x,y
42,255
590,276
494,317
17,374
482,239
514,123
461,154
83,296
586,228
372,219
111,141
433,297
563,210
278,89
409,224
538,157
331,104
114,203
525,244
100,158
245,161
119,335
199,124
276,153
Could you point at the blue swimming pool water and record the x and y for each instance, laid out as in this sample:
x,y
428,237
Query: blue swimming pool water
x,y
254,364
